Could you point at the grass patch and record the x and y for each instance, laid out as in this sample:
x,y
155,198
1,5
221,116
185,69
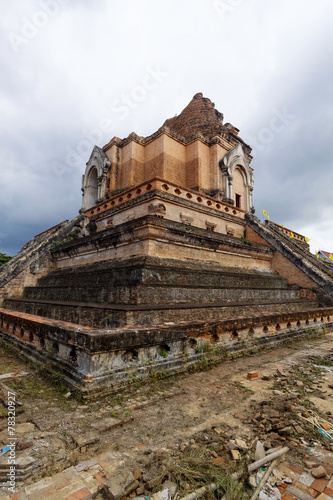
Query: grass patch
x,y
243,388
38,385
323,362
196,469
304,377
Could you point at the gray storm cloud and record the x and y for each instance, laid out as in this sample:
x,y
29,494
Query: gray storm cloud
x,y
77,73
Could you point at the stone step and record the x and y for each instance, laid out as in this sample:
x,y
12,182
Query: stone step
x,y
161,294
155,281
110,315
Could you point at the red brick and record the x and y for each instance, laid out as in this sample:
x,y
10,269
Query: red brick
x,y
310,491
100,476
319,485
20,495
288,496
137,474
60,481
102,460
79,495
328,492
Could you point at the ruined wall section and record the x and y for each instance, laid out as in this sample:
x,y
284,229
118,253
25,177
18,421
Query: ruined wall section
x,y
96,361
34,259
186,150
289,263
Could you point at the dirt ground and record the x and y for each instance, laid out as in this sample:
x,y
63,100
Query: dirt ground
x,y
174,414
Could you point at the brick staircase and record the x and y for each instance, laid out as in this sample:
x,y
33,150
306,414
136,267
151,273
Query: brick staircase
x,y
318,271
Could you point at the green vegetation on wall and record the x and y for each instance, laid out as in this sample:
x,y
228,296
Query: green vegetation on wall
x,y
4,258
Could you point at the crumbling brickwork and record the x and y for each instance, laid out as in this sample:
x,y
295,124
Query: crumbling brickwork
x,y
166,257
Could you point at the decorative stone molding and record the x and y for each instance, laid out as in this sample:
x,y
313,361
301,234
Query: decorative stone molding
x,y
236,159
94,178
130,216
210,225
157,208
186,218
160,184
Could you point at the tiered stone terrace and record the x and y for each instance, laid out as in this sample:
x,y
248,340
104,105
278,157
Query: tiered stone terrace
x,y
99,361
166,232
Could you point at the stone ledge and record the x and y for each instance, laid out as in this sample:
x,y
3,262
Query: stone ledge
x,y
153,307
106,359
110,237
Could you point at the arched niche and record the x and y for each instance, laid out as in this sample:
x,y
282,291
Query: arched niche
x,y
237,179
239,188
94,178
91,189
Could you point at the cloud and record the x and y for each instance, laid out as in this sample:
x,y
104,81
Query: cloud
x,y
257,59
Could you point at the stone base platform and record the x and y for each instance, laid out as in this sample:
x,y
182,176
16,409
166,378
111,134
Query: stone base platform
x,y
97,362
148,290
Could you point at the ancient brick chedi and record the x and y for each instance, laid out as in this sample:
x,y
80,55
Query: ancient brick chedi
x,y
166,255
193,150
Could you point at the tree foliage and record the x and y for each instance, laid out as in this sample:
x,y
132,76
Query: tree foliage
x,y
4,258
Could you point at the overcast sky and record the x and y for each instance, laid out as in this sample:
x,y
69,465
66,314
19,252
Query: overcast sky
x,y
75,73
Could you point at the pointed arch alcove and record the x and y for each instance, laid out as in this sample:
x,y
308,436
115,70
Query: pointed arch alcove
x,y
91,189
94,178
237,179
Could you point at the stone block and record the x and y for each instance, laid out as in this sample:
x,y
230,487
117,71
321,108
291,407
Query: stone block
x,y
86,465
235,454
298,493
86,439
106,424
318,472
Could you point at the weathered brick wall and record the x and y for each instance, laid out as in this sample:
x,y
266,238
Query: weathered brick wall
x,y
24,279
282,265
239,187
155,281
294,275
157,237
252,235
185,150
33,261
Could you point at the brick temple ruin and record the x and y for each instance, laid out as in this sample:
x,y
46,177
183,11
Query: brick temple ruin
x,y
165,258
